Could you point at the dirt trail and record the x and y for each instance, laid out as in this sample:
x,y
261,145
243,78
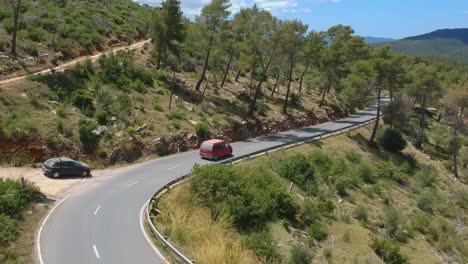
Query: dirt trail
x,y
71,63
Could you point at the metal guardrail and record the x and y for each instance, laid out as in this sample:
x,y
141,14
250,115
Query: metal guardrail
x,y
320,136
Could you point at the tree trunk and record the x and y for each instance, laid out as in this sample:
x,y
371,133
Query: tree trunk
x,y
376,126
419,140
276,84
391,109
227,70
288,89
172,89
238,75
325,88
458,122
302,77
205,66
16,10
262,79
158,64
204,89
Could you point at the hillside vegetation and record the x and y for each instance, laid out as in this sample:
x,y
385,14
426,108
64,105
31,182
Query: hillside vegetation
x,y
49,32
452,43
231,76
350,203
15,201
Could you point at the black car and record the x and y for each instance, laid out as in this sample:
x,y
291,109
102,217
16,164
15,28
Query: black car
x,y
56,167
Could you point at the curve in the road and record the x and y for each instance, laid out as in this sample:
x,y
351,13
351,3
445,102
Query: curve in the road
x,y
103,223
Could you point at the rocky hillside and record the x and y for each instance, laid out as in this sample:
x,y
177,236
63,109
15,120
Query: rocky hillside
x,y
118,110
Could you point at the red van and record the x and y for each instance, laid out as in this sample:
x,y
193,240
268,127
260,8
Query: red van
x,y
214,149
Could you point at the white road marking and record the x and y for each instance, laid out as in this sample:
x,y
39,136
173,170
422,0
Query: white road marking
x,y
96,252
39,252
146,235
97,210
131,184
173,167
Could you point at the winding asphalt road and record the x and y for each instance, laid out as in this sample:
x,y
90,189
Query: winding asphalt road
x,y
103,223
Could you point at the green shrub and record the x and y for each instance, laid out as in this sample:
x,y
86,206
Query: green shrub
x,y
309,212
391,140
262,108
202,130
88,139
83,99
101,153
158,108
8,230
353,157
103,117
138,86
360,213
300,255
21,130
342,184
425,201
325,207
250,198
130,130
317,232
295,99
388,251
321,162
394,223
298,170
426,176
14,198
175,115
263,244
364,171
420,222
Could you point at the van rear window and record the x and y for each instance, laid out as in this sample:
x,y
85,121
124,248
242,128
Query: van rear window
x,y
206,146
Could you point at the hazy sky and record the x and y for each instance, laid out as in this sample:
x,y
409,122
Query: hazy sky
x,y
377,18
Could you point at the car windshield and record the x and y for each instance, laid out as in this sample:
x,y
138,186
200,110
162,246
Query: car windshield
x,y
206,146
50,162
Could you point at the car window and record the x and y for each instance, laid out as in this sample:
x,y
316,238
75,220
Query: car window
x,y
219,146
49,163
68,164
205,146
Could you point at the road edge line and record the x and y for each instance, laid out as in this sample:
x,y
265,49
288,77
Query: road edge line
x,y
38,242
145,234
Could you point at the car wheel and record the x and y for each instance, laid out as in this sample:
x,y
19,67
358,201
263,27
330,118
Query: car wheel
x,y
56,174
85,173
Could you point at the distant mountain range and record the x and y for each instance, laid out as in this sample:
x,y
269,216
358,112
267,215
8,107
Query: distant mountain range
x,y
373,40
448,42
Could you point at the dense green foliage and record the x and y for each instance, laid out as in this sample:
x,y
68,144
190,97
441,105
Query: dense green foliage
x,y
88,139
388,251
391,140
76,27
263,244
202,129
251,199
300,255
13,201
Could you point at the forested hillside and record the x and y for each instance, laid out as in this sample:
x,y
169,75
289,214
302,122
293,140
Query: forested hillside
x,y
452,43
232,76
46,32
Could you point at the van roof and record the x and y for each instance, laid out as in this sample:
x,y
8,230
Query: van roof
x,y
213,141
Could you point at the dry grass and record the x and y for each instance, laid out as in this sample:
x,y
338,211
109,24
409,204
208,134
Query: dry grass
x,y
191,228
355,248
